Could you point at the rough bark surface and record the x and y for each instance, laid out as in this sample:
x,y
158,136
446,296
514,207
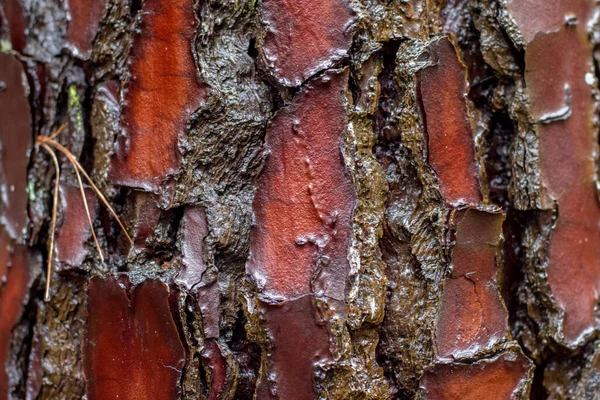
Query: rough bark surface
x,y
327,199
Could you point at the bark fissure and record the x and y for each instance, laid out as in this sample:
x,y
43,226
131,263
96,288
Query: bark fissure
x,y
336,199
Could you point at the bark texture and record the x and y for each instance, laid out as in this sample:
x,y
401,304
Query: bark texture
x,y
327,199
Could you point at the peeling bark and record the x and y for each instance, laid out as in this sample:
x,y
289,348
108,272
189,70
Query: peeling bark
x,y
450,147
16,144
337,199
472,316
147,152
503,377
301,39
84,20
132,346
304,199
74,230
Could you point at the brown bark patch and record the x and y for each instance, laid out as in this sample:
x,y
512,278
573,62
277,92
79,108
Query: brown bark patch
x,y
305,199
450,148
209,301
132,348
15,262
217,365
556,68
5,249
75,228
499,378
85,16
147,215
15,144
304,37
472,316
16,24
161,96
298,346
533,16
193,231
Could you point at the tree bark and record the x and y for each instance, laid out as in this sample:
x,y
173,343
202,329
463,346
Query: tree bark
x,y
336,199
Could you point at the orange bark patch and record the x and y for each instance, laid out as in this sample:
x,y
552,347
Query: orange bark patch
x,y
85,16
12,297
161,96
304,37
450,148
75,228
298,346
472,316
132,348
15,145
491,379
305,199
557,66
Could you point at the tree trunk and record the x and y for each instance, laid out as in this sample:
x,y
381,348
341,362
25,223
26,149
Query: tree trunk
x,y
337,199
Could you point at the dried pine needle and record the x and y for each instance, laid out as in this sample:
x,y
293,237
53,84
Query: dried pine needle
x,y
75,163
50,145
53,218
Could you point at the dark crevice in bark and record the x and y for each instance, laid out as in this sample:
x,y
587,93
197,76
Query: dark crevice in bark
x,y
382,126
27,324
279,95
248,356
538,392
221,159
400,333
87,153
252,50
193,369
499,138
135,7
512,273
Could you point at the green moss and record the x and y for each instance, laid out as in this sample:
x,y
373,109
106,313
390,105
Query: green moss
x,y
75,108
5,46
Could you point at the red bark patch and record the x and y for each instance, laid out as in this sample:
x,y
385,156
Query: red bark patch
x,y
472,316
209,301
194,229
35,369
533,16
12,297
298,346
304,37
74,231
132,349
557,66
85,16
15,144
161,96
305,199
146,220
499,378
217,364
16,24
5,250
450,147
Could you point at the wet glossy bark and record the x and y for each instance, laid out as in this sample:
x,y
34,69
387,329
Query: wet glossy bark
x,y
327,199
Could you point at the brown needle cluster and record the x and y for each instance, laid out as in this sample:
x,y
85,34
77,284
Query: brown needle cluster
x,y
50,145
